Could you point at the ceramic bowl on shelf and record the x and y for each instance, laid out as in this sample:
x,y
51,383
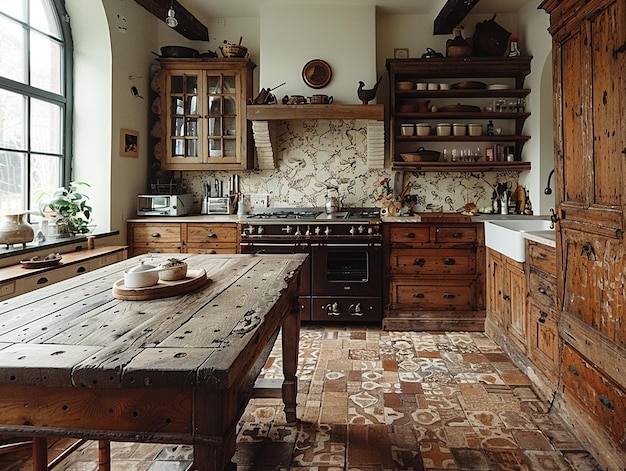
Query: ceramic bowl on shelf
x,y
405,85
444,129
475,129
422,129
459,129
407,129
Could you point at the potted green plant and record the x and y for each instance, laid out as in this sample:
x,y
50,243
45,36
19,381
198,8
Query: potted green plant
x,y
69,209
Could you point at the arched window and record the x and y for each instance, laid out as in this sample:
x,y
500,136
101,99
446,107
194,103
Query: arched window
x,y
35,101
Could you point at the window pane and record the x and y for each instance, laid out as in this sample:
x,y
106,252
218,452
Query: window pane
x,y
45,127
11,182
45,175
43,17
45,63
12,51
12,119
14,8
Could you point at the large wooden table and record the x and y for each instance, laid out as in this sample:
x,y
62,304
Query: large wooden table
x,y
77,362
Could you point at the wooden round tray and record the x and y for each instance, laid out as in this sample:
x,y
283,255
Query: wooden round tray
x,y
196,278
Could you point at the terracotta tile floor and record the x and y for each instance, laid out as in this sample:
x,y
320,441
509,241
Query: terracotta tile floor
x,y
374,400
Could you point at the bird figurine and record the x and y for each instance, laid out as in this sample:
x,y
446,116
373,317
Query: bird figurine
x,y
367,95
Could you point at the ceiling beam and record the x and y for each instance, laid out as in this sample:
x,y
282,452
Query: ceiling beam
x,y
188,25
451,15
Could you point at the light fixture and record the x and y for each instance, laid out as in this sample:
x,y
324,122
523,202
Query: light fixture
x,y
170,20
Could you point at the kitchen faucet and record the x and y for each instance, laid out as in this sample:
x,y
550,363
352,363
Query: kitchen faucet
x,y
548,190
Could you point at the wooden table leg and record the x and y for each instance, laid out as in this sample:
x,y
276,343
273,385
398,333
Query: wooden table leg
x,y
40,454
104,455
291,341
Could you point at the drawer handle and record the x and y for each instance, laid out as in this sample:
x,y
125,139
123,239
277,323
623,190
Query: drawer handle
x,y
506,297
418,295
81,270
542,317
588,251
155,234
42,281
449,296
409,235
211,235
572,369
419,261
457,235
542,290
449,261
606,402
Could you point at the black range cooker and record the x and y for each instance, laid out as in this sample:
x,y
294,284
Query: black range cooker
x,y
343,281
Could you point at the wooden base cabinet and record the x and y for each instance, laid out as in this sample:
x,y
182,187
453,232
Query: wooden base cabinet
x,y
176,237
435,276
543,337
506,302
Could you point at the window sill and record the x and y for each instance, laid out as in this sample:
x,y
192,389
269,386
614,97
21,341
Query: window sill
x,y
52,244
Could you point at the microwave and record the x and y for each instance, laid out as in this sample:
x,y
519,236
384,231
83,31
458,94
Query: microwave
x,y
164,205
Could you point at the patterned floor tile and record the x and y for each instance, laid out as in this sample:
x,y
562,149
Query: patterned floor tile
x,y
371,400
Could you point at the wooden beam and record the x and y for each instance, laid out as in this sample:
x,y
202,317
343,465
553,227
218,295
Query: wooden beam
x,y
451,15
188,25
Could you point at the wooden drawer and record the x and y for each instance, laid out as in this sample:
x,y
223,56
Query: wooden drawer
x,y
542,257
456,235
432,261
212,248
145,248
7,290
409,234
48,277
156,233
211,233
542,287
602,399
433,294
107,259
543,340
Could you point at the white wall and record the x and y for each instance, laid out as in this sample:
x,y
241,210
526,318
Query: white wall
x,y
113,40
343,36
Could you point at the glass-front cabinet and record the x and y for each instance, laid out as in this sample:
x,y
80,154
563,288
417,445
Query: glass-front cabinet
x,y
204,117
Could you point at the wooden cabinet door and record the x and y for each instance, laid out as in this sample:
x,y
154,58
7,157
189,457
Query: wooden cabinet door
x,y
593,284
495,288
591,139
515,310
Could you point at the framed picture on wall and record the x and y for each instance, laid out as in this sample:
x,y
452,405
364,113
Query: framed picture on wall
x,y
129,143
401,53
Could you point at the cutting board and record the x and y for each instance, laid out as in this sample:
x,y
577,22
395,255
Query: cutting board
x,y
196,278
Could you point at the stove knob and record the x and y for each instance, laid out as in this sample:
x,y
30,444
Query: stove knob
x,y
287,229
370,230
352,230
298,231
317,230
361,229
355,310
308,231
327,231
260,230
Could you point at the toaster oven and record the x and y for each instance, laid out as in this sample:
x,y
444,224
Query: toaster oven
x,y
164,205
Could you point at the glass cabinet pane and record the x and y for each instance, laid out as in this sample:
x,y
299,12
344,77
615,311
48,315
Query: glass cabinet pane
x,y
176,84
214,84
229,84
215,127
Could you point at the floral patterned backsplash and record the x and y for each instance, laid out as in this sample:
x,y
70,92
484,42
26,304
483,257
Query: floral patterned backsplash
x,y
314,155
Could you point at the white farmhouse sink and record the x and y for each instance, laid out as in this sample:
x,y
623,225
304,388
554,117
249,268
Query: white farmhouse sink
x,y
507,235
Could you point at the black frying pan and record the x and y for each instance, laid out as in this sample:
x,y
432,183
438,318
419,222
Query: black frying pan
x,y
178,52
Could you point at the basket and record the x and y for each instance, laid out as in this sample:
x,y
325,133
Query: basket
x,y
233,50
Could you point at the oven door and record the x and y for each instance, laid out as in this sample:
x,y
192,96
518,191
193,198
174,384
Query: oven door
x,y
347,269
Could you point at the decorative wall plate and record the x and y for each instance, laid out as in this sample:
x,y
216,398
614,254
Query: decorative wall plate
x,y
316,73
